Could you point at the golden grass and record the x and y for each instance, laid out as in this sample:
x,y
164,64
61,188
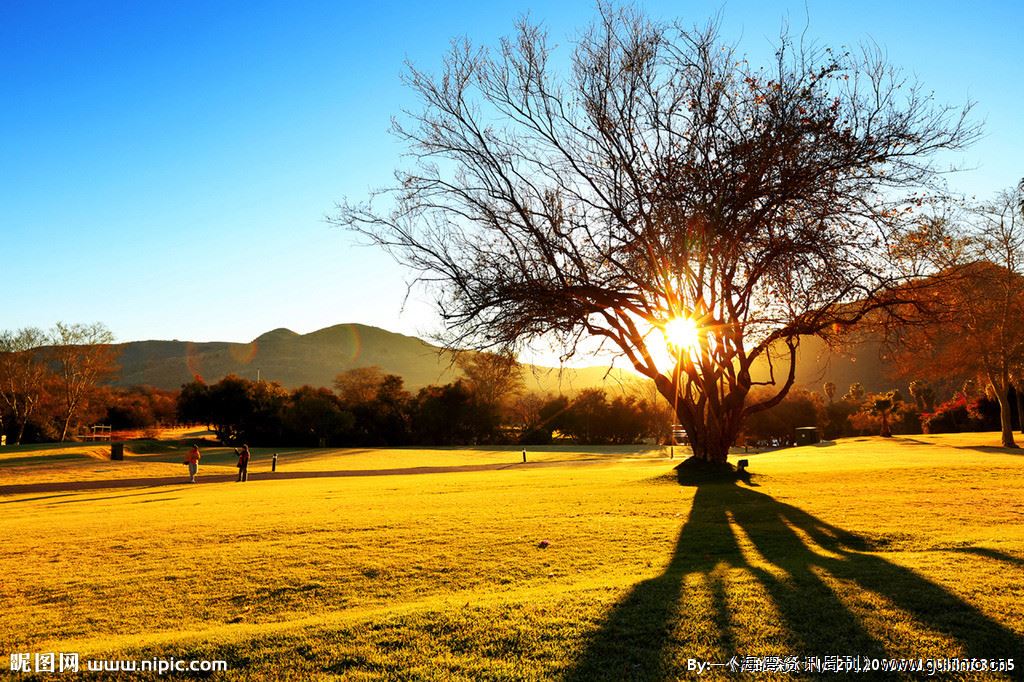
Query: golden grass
x,y
906,547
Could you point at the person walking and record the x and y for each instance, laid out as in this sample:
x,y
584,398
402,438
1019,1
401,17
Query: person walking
x,y
243,464
192,460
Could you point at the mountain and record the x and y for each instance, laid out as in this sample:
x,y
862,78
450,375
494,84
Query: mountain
x,y
863,362
316,358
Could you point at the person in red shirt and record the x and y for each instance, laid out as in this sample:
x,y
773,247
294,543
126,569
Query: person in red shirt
x,y
192,460
243,464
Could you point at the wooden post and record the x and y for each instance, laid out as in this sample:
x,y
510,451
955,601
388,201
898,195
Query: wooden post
x,y
273,462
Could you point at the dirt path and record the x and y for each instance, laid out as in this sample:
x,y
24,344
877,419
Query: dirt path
x,y
105,484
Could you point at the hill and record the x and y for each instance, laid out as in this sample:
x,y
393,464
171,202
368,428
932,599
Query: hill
x,y
863,362
316,358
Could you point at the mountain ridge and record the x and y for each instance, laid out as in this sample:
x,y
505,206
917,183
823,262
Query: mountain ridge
x,y
316,357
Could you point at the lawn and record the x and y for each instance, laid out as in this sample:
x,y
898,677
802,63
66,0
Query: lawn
x,y
581,565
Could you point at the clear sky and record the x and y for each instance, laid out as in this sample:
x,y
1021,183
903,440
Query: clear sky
x,y
165,168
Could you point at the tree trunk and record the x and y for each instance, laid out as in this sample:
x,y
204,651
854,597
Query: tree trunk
x,y
886,432
1005,420
21,431
711,439
710,451
64,431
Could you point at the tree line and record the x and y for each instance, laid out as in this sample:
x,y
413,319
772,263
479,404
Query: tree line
x,y
973,406
49,391
369,407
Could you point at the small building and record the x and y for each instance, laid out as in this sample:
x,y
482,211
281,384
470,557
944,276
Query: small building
x,y
807,435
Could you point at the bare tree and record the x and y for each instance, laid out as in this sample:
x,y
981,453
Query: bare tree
x,y
661,187
998,311
23,375
358,385
83,358
495,378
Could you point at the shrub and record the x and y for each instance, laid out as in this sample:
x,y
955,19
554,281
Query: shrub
x,y
959,414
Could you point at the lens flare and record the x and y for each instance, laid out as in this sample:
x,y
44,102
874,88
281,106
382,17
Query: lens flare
x,y
193,362
243,353
352,343
682,333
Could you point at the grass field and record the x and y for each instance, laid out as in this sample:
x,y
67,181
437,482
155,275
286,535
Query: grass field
x,y
909,547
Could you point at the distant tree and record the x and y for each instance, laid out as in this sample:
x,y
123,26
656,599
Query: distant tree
x,y
923,395
380,404
162,403
229,406
23,375
592,419
525,412
658,414
238,409
494,378
799,408
139,407
264,423
391,409
584,420
969,389
627,421
83,358
448,415
883,406
359,385
1000,239
982,245
662,184
837,418
551,417
127,411
194,404
314,416
1019,385
962,414
856,393
830,390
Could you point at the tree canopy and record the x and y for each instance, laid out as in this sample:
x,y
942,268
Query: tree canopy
x,y
661,177
976,249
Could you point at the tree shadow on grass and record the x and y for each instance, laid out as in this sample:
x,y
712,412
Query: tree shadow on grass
x,y
793,556
992,449
988,553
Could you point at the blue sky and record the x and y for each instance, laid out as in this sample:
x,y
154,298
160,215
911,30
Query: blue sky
x,y
166,168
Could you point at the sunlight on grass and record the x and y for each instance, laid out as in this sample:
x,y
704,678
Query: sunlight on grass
x,y
753,557
886,621
444,574
808,540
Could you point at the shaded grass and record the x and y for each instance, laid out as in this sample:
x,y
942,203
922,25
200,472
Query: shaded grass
x,y
35,459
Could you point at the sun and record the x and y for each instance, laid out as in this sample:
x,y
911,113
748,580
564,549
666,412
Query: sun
x,y
681,333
